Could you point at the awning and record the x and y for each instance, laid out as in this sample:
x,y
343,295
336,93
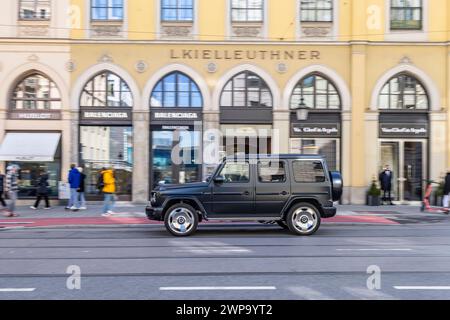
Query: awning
x,y
29,147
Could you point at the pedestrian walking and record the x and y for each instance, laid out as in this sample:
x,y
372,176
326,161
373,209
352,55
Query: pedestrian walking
x,y
12,189
42,191
81,189
385,178
109,191
447,190
74,181
2,190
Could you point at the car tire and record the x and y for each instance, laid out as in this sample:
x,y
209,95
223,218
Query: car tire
x,y
181,220
303,219
282,224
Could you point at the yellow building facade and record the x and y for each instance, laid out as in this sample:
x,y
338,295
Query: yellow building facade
x,y
374,76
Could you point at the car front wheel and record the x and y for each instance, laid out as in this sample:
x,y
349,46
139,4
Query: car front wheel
x,y
181,220
303,219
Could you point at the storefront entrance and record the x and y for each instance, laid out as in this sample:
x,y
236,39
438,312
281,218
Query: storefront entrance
x,y
407,160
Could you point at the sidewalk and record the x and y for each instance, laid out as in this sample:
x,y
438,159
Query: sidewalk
x,y
126,209
129,214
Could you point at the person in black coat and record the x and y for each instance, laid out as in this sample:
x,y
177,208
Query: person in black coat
x,y
2,190
447,189
385,178
42,191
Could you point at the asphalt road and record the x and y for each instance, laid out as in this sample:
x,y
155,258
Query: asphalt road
x,y
248,261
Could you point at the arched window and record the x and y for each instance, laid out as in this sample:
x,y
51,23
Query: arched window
x,y
246,89
176,90
403,92
316,92
36,92
106,90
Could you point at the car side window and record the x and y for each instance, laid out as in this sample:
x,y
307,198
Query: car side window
x,y
308,171
271,171
234,172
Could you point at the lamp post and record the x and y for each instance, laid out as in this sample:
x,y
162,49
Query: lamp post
x,y
302,111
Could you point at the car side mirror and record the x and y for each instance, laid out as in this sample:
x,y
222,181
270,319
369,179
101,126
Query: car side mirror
x,y
219,180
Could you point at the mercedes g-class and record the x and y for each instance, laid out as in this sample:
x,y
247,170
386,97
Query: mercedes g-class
x,y
296,191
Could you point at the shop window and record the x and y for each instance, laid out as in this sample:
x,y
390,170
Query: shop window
x,y
406,14
36,92
403,92
176,90
177,10
246,89
109,147
247,10
107,10
106,90
34,10
316,10
308,171
29,173
316,92
271,171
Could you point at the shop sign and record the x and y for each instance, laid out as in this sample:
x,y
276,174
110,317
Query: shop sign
x,y
301,130
165,115
34,115
395,130
106,116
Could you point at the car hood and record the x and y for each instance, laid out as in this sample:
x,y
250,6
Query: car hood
x,y
165,187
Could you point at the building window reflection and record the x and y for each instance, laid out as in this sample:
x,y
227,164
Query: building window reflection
x,y
107,10
36,92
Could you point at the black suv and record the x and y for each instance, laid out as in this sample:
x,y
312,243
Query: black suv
x,y
296,191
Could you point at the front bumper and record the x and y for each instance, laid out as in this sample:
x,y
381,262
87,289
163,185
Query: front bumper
x,y
153,213
328,212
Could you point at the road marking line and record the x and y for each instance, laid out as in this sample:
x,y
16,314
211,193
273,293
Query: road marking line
x,y
214,288
367,294
374,249
422,287
9,222
17,289
308,293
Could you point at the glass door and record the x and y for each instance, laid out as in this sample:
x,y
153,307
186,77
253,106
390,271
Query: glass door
x,y
407,160
413,170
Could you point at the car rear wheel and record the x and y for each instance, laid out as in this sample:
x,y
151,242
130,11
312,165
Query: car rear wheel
x,y
303,219
181,220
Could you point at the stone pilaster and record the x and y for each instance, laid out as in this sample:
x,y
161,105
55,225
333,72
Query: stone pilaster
x,y
141,156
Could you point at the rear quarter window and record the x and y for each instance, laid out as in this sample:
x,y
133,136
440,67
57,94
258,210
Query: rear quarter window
x,y
308,171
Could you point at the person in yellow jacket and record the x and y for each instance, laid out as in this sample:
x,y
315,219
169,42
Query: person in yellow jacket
x,y
109,190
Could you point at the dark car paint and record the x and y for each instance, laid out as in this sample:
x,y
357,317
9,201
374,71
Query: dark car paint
x,y
248,199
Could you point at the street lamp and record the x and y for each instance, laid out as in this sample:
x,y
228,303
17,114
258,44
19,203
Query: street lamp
x,y
302,110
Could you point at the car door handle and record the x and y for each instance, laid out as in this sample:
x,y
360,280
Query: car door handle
x,y
284,193
246,193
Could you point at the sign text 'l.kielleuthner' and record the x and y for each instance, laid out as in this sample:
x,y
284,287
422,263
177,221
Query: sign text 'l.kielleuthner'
x,y
207,54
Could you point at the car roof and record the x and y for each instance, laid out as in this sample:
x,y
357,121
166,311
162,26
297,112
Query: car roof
x,y
276,156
